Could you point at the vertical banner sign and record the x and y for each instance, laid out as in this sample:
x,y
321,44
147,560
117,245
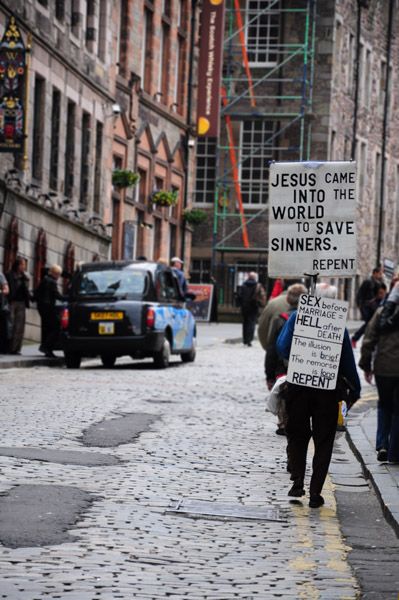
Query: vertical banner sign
x,y
317,342
312,219
12,78
210,68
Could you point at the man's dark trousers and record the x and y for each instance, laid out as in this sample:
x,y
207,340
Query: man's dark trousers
x,y
311,413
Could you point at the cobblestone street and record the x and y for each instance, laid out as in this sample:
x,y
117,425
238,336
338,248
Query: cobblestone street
x,y
211,441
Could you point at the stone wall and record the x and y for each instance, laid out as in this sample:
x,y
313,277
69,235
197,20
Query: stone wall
x,y
59,230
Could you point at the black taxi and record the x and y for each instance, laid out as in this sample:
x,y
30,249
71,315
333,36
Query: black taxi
x,y
133,308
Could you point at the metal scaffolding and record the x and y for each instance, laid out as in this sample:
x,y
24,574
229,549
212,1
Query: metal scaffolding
x,y
266,115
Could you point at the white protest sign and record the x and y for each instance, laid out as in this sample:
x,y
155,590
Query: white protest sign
x,y
312,218
317,342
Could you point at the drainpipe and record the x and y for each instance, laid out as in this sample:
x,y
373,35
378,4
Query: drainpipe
x,y
189,114
384,134
356,99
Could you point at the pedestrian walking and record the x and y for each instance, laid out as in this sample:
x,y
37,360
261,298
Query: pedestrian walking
x,y
251,297
313,413
46,297
276,365
273,308
5,322
367,292
19,300
176,264
380,357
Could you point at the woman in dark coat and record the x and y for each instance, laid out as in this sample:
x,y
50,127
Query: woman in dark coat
x,y
46,296
18,299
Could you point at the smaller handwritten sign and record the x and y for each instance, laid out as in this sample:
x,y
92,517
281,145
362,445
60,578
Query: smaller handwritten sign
x,y
317,342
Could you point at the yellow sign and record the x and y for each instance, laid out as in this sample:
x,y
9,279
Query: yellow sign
x,y
106,316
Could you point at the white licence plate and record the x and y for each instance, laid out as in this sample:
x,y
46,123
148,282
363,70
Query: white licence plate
x,y
106,328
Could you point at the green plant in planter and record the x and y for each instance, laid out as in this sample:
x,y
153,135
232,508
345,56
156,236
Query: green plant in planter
x,y
164,197
124,178
194,216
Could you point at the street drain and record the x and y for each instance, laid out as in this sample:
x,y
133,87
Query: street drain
x,y
226,511
115,432
40,515
62,457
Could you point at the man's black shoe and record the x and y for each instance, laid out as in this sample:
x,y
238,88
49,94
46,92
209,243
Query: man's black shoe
x,y
382,455
297,489
316,501
49,354
280,431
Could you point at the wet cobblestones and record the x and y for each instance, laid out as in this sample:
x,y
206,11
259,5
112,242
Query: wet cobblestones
x,y
212,440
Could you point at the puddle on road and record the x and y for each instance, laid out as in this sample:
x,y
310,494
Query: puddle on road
x,y
115,432
62,457
41,515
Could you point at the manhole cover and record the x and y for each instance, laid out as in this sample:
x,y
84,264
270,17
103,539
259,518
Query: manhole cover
x,y
226,510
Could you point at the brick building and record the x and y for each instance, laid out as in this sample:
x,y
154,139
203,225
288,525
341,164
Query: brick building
x,y
318,82
108,89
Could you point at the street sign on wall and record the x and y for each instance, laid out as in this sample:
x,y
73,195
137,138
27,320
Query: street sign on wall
x,y
312,219
317,342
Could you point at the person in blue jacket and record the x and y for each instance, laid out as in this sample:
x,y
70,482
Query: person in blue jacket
x,y
313,412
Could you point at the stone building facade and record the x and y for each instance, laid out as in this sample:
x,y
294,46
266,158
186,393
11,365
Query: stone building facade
x,y
352,57
108,89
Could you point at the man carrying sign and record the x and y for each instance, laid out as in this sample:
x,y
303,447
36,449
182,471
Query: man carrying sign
x,y
312,402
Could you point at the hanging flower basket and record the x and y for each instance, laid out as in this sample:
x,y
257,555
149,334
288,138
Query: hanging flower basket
x,y
123,178
194,216
164,198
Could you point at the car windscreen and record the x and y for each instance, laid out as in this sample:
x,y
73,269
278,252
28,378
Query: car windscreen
x,y
111,282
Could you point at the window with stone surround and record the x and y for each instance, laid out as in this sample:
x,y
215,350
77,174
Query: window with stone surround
x,y
38,127
147,44
200,271
91,33
60,9
262,32
85,159
102,30
156,238
163,82
70,150
172,240
351,63
381,86
55,135
337,53
256,153
97,168
122,38
205,171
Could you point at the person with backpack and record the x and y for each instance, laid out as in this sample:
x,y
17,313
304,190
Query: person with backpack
x,y
275,365
367,293
251,297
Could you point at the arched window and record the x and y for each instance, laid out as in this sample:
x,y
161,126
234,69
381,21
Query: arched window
x,y
69,264
11,245
40,257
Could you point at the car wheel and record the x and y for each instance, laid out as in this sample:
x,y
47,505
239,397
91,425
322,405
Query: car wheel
x,y
108,360
72,360
161,358
190,356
